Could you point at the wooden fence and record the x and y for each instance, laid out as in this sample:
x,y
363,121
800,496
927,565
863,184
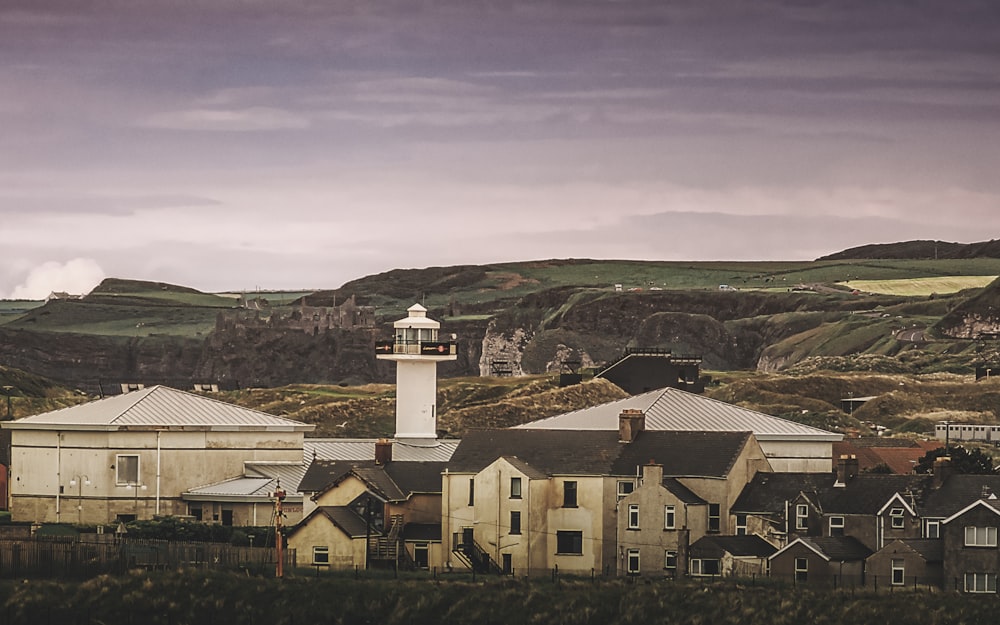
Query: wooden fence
x,y
81,559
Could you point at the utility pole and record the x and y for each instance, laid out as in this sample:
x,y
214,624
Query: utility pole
x,y
279,545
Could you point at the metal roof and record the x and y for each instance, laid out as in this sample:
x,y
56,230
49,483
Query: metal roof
x,y
158,407
439,450
677,410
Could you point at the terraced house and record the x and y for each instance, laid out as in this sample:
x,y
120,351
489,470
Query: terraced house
x,y
592,501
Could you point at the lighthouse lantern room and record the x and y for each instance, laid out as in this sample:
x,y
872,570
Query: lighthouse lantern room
x,y
416,350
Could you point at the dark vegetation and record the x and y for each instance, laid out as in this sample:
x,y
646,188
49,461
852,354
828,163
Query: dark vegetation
x,y
195,597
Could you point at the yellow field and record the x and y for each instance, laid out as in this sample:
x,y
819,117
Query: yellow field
x,y
920,286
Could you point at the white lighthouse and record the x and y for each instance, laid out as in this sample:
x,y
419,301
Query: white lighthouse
x,y
416,351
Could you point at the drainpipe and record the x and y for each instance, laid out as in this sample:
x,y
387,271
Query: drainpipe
x,y
158,472
58,473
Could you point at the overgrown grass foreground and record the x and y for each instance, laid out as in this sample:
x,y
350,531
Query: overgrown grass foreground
x,y
196,597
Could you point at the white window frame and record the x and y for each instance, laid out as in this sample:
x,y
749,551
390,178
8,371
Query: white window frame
x,y
897,566
321,555
981,582
741,524
801,516
633,516
896,518
625,488
632,562
698,567
118,470
670,560
801,569
837,523
932,528
669,517
980,536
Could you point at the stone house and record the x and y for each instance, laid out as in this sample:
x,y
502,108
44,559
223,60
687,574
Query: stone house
x,y
906,562
836,560
533,500
377,512
971,553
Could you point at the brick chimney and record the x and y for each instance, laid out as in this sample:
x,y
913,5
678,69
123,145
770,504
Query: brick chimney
x,y
631,423
383,451
847,469
942,470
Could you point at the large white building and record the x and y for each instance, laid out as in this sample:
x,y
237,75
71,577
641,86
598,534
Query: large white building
x,y
789,446
132,456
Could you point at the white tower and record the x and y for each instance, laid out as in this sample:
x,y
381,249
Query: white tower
x,y
416,351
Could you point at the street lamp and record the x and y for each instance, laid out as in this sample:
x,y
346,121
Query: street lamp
x,y
8,391
79,481
136,486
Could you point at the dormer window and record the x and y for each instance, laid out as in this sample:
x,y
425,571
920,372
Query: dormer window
x,y
897,520
801,517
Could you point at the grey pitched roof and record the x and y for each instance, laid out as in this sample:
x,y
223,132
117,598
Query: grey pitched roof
x,y
957,492
710,546
767,493
865,494
598,452
682,492
395,481
343,517
838,548
159,407
674,409
930,549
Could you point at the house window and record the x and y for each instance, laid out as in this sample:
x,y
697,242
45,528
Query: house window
x,y
421,558
670,560
195,512
932,529
801,517
981,582
321,555
836,526
801,569
472,491
625,487
714,517
569,542
126,470
669,517
515,488
980,536
896,518
633,516
704,567
741,525
569,494
898,572
515,522
632,562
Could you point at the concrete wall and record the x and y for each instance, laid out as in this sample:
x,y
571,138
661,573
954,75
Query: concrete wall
x,y
50,470
799,456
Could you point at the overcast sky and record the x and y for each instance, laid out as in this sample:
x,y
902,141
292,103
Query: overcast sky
x,y
235,144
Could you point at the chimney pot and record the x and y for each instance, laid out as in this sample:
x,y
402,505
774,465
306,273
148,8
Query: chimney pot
x,y
383,451
631,423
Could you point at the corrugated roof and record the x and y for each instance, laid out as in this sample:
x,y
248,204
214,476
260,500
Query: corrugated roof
x,y
674,409
439,450
159,407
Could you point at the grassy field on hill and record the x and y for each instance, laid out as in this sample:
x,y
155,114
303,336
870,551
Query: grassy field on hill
x,y
915,287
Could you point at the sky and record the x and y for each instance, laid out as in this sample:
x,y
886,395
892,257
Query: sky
x,y
244,144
